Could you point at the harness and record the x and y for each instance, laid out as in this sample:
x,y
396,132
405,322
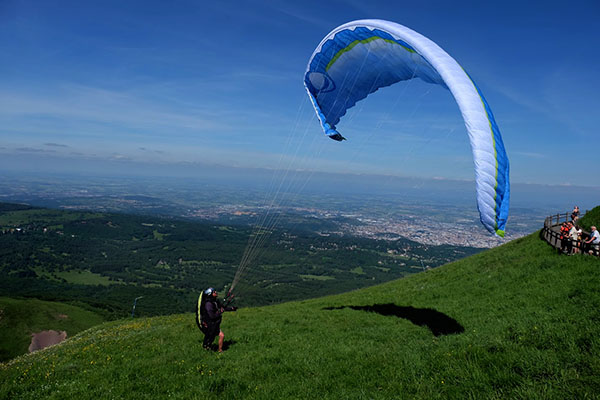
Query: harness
x,y
202,325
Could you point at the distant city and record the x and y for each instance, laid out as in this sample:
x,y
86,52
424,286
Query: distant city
x,y
377,216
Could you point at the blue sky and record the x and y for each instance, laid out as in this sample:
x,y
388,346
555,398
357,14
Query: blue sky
x,y
197,82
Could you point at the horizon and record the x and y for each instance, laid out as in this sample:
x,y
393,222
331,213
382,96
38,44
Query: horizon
x,y
434,191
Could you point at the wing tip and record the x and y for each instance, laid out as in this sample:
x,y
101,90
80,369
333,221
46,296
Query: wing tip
x,y
336,136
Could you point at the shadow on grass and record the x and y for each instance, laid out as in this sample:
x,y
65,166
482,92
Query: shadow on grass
x,y
226,345
437,322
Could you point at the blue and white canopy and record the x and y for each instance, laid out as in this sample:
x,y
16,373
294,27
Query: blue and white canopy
x,y
357,58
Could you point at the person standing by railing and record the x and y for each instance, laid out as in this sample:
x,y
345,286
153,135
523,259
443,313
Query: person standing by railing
x,y
565,238
575,214
592,244
575,234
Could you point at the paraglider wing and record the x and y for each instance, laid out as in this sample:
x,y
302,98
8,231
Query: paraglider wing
x,y
358,58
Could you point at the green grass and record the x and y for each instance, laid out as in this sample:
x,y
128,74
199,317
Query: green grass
x,y
85,277
77,277
358,271
20,318
45,216
317,277
591,218
158,236
531,330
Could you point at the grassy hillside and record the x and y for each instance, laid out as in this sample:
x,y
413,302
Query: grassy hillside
x,y
20,318
591,218
529,328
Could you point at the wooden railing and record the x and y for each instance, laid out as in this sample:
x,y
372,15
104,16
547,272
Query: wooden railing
x,y
551,231
552,236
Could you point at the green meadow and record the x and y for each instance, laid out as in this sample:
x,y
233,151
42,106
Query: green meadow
x,y
518,321
19,318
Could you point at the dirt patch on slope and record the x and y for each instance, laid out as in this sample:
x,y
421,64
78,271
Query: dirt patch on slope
x,y
44,339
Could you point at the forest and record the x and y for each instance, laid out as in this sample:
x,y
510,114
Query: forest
x,y
104,261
